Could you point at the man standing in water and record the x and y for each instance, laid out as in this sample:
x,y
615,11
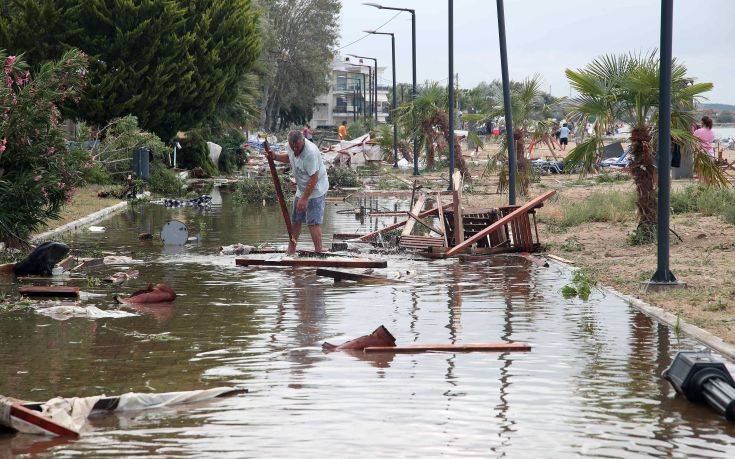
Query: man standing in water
x,y
311,187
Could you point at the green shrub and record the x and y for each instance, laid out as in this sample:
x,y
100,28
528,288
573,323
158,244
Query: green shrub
x,y
97,175
227,163
164,181
609,206
194,153
343,177
255,191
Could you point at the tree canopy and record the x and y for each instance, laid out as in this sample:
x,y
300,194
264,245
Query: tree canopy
x,y
171,63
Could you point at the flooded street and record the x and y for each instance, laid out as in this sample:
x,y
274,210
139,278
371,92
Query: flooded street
x,y
590,386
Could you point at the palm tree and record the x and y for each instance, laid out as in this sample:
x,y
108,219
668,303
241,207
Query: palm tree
x,y
530,120
425,119
626,87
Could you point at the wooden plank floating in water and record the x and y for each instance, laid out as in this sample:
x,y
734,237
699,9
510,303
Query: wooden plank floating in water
x,y
42,422
347,275
458,347
314,262
50,290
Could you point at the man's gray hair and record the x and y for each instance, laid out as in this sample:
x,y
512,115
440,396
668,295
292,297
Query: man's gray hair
x,y
295,137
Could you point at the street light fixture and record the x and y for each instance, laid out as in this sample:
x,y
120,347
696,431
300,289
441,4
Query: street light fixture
x,y
413,55
375,81
393,115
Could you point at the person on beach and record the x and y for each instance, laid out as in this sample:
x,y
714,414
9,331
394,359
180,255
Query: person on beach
x,y
706,136
342,131
311,187
563,136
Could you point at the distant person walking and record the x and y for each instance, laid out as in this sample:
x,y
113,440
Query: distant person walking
x,y
706,136
563,136
308,133
342,131
311,187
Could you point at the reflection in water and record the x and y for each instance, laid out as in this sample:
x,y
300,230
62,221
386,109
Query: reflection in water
x,y
590,386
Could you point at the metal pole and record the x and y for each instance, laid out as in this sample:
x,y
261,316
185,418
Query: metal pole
x,y
375,78
663,274
362,95
370,92
450,87
393,112
413,90
506,102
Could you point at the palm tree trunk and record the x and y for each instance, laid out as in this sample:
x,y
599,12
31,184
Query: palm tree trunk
x,y
460,162
643,172
430,156
523,178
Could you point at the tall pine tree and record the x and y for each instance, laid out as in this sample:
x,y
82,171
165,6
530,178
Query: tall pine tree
x,y
171,63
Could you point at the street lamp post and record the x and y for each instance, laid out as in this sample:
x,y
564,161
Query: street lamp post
x,y
663,274
506,102
393,115
450,87
375,81
413,84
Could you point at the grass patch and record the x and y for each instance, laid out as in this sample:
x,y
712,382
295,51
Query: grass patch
x,y
607,177
708,201
609,206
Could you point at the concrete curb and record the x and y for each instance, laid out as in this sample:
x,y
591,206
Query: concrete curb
x,y
659,314
84,221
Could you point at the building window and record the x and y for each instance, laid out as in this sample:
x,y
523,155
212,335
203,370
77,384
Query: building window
x,y
341,83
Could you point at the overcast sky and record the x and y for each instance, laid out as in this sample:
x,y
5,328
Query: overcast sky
x,y
544,36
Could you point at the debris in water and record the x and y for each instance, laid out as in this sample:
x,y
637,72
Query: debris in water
x,y
236,249
42,260
379,337
162,293
121,277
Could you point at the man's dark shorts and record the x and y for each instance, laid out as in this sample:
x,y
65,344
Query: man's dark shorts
x,y
314,213
563,141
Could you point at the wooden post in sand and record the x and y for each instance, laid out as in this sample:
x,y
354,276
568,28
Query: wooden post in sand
x,y
279,192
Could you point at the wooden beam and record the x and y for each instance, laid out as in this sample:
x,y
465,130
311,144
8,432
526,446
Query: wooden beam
x,y
369,236
338,276
442,224
314,262
457,347
50,290
425,224
532,204
279,192
417,206
457,197
37,419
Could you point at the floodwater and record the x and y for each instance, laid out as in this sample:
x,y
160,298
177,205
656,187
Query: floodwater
x,y
589,387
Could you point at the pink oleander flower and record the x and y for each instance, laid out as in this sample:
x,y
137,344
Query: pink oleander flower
x,y
51,150
3,143
9,64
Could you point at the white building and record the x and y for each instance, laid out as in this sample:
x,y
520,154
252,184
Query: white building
x,y
349,93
